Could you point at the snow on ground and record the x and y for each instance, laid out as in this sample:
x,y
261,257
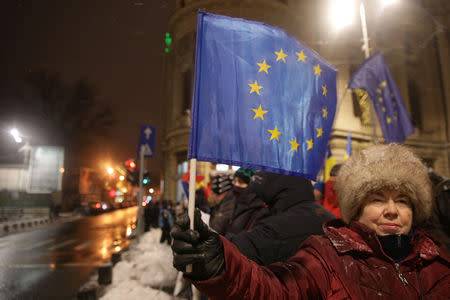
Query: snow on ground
x,y
145,268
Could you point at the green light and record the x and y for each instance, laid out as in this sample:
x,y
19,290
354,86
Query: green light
x,y
166,50
145,180
168,39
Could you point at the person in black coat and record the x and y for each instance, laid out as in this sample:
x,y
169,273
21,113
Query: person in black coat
x,y
294,216
249,209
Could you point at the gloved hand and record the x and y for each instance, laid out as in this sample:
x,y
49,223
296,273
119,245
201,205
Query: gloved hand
x,y
202,248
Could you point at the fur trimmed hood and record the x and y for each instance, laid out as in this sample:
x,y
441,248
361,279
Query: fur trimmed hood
x,y
384,167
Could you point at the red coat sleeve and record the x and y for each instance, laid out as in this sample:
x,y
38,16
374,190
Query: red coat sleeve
x,y
304,276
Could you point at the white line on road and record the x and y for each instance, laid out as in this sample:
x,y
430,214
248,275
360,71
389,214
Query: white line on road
x,y
84,245
48,266
33,246
60,245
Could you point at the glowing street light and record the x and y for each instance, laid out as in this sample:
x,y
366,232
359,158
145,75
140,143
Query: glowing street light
x,y
151,190
342,13
110,170
121,178
16,135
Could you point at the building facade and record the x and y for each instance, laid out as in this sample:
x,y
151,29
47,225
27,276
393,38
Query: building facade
x,y
412,36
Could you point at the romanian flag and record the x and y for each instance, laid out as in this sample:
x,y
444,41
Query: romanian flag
x,y
329,164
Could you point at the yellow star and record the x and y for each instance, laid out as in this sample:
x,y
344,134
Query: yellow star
x,y
319,132
301,56
310,144
317,70
324,112
383,84
324,88
275,133
379,91
255,87
388,120
383,108
380,99
259,113
294,145
280,55
263,67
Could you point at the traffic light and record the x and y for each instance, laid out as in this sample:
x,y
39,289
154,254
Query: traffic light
x,y
146,178
130,164
133,177
168,41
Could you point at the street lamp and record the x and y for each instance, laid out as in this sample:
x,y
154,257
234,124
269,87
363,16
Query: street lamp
x,y
342,14
16,135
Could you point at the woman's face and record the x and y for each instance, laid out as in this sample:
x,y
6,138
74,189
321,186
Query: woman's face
x,y
387,212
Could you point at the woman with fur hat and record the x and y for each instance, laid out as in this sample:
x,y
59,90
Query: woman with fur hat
x,y
377,250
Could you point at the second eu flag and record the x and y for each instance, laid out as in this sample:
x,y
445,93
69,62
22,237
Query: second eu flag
x,y
262,99
374,77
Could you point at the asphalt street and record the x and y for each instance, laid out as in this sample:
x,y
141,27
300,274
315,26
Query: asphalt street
x,y
54,261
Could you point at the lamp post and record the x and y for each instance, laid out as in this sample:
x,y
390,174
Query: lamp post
x,y
342,17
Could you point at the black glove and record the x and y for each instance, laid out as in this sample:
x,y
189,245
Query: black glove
x,y
202,248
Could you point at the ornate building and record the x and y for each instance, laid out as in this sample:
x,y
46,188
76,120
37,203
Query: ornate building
x,y
412,35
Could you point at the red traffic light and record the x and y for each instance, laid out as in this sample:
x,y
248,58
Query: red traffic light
x,y
112,193
130,164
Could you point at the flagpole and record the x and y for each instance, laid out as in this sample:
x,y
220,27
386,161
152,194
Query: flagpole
x,y
365,48
191,200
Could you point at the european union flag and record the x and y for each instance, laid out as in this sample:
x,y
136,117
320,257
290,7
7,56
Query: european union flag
x,y
374,77
262,99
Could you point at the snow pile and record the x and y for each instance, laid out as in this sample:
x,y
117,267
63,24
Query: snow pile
x,y
132,289
146,265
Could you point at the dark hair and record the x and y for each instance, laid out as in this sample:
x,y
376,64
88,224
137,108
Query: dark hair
x,y
335,169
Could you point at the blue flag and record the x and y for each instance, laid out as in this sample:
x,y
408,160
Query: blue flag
x,y
374,77
349,146
262,99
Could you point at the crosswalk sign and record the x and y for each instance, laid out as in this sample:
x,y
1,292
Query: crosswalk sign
x,y
147,141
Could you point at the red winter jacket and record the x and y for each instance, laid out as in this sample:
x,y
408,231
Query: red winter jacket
x,y
346,263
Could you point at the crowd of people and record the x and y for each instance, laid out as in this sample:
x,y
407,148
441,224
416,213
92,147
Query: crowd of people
x,y
377,229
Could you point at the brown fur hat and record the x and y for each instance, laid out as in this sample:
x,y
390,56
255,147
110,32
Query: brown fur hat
x,y
384,167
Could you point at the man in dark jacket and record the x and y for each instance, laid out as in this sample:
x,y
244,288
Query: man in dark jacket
x,y
294,216
249,209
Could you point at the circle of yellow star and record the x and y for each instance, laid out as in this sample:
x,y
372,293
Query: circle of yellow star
x,y
317,70
383,84
324,88
310,144
281,55
379,91
301,56
380,99
259,113
294,145
319,132
264,67
324,112
383,108
255,87
275,133
388,120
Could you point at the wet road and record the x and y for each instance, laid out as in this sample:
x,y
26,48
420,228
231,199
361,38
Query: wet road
x,y
53,262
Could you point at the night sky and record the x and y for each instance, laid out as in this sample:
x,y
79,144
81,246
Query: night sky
x,y
115,45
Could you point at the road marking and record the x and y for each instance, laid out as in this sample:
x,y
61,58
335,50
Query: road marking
x,y
48,266
84,245
60,245
38,244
